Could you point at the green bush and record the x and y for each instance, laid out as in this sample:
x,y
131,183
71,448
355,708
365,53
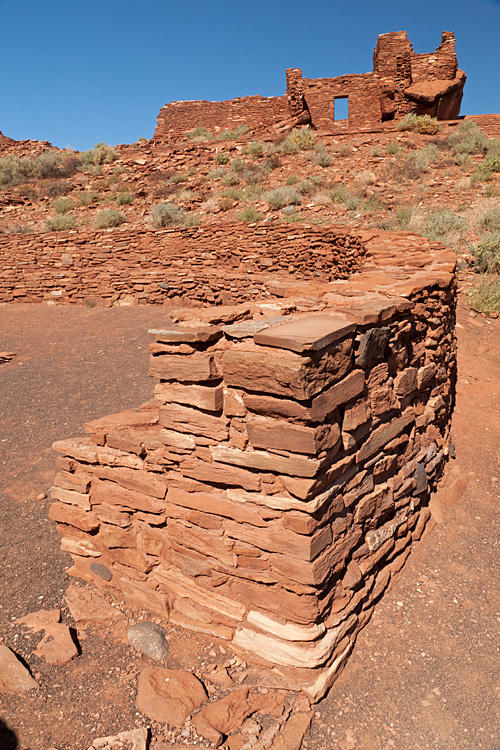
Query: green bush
x,y
253,175
281,197
165,215
231,178
124,199
419,124
62,205
288,147
270,163
340,194
491,220
232,193
238,164
176,179
250,214
15,170
199,134
100,154
191,220
393,149
60,223
231,135
20,229
322,158
86,198
492,163
292,179
108,219
221,158
215,174
487,254
485,298
468,139
404,216
304,138
439,224
255,149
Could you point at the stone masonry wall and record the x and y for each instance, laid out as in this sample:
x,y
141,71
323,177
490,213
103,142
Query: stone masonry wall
x,y
274,487
223,263
178,118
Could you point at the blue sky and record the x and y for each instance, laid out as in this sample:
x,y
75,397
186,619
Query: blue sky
x,y
76,73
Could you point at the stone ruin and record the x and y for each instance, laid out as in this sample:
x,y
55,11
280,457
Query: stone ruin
x,y
402,81
273,488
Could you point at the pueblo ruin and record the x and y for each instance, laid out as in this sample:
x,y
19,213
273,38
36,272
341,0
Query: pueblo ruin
x,y
273,487
402,81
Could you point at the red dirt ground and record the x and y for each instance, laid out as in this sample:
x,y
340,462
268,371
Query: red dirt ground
x,y
424,672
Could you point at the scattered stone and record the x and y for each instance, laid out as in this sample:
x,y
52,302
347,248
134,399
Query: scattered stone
x,y
169,695
293,732
57,646
148,638
102,571
6,357
219,676
86,606
41,619
135,739
14,677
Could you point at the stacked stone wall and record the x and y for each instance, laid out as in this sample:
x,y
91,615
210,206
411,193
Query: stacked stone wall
x,y
216,264
274,487
178,118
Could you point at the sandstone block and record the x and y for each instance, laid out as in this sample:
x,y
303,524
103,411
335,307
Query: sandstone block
x,y
215,504
292,465
305,334
73,516
120,421
108,493
384,434
193,422
207,543
71,497
221,473
277,434
14,677
144,482
348,388
78,482
185,335
199,396
139,595
168,695
192,368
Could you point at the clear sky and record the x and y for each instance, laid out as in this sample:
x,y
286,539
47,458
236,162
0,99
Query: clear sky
x,y
76,72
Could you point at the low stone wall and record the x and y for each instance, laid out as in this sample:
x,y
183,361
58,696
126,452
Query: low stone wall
x,y
223,263
273,488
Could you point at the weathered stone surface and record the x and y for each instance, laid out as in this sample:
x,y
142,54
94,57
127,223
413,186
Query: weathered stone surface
x,y
183,334
87,606
275,434
120,421
192,368
141,596
199,396
14,677
293,465
282,540
169,695
104,493
193,422
216,504
83,547
145,482
384,434
348,388
305,334
77,482
216,720
57,646
73,516
135,739
294,731
148,638
221,473
372,346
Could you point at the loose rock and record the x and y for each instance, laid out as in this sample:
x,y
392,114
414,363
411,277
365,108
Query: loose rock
x,y
169,695
135,739
148,638
14,677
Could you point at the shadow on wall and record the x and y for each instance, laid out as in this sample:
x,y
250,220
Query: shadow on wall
x,y
8,738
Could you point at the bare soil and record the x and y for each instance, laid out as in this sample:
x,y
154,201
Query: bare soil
x,y
424,672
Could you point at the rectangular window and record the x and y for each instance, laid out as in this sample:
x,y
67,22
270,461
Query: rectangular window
x,y
341,108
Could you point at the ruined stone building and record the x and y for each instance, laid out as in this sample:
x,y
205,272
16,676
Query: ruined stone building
x,y
402,81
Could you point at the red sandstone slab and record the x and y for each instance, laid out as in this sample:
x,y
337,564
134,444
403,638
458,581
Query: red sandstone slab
x,y
120,421
184,368
181,335
306,334
215,504
348,388
277,434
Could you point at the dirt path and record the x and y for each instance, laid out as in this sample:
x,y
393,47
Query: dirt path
x,y
424,673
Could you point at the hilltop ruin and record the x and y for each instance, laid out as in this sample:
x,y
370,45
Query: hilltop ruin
x,y
402,81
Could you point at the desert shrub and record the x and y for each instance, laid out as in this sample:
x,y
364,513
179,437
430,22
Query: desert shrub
x,y
124,199
485,297
376,151
165,215
304,138
56,189
15,170
340,194
294,218
253,192
322,158
186,195
491,191
238,164
439,224
108,219
252,175
462,160
249,213
163,191
225,203
468,139
60,223
231,178
492,163
393,149
85,198
345,150
270,149
62,205
486,254
281,197
20,229
199,134
405,217
255,149
191,220
270,163
192,171
233,193
221,157
100,154
176,179
231,135
491,220
215,174
419,124
292,179
288,147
